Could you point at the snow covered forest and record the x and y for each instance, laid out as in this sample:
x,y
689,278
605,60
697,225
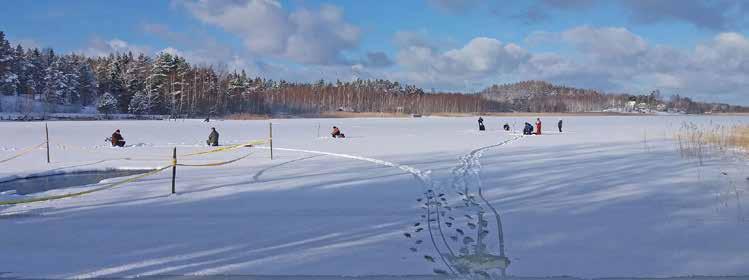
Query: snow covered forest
x,y
42,81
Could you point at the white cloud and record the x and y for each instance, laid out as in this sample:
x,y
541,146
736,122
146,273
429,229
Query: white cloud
x,y
304,36
606,42
479,57
606,58
100,47
716,69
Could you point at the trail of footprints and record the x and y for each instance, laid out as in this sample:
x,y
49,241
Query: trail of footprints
x,y
452,215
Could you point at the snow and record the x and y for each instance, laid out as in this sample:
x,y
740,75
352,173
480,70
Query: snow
x,y
609,197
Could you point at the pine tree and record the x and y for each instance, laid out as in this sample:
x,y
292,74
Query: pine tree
x,y
117,83
86,83
54,83
71,93
35,73
9,84
107,103
139,104
22,68
159,82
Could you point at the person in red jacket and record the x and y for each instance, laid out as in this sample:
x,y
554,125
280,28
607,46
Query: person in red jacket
x,y
538,126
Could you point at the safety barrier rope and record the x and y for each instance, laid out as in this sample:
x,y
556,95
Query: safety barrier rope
x,y
213,164
226,148
109,186
116,184
23,152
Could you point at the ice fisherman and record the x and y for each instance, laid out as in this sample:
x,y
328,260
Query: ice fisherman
x,y
559,124
337,133
538,126
117,139
481,124
506,127
528,129
212,138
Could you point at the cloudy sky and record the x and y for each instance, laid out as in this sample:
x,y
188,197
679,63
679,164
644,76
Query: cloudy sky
x,y
690,47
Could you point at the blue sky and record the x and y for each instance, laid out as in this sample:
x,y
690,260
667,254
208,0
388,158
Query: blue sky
x,y
690,47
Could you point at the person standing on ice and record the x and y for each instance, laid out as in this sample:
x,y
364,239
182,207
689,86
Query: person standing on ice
x,y
481,124
117,139
213,137
559,124
538,126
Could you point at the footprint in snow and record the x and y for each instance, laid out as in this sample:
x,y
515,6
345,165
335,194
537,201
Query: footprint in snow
x,y
440,271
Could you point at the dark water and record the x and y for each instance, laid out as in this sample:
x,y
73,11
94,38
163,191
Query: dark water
x,y
37,184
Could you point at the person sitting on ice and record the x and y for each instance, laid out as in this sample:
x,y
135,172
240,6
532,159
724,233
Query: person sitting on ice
x,y
213,138
538,126
117,139
528,130
337,133
506,127
481,124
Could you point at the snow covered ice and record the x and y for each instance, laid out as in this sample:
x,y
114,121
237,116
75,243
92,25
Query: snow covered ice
x,y
609,197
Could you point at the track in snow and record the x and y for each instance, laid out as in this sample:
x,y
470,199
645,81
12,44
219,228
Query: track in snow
x,y
465,178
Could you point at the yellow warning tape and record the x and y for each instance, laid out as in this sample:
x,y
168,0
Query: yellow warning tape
x,y
113,185
55,197
227,148
23,152
215,163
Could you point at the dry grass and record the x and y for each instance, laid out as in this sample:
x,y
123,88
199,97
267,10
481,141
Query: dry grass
x,y
698,141
739,137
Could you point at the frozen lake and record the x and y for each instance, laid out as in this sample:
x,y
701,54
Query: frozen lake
x,y
611,196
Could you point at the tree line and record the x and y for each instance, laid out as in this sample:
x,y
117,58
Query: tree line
x,y
34,80
541,96
168,84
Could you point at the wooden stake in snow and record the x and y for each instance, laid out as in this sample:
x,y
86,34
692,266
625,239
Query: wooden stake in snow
x,y
174,170
270,139
46,132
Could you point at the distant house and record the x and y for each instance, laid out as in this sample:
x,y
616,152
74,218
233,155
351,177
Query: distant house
x,y
661,107
630,106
